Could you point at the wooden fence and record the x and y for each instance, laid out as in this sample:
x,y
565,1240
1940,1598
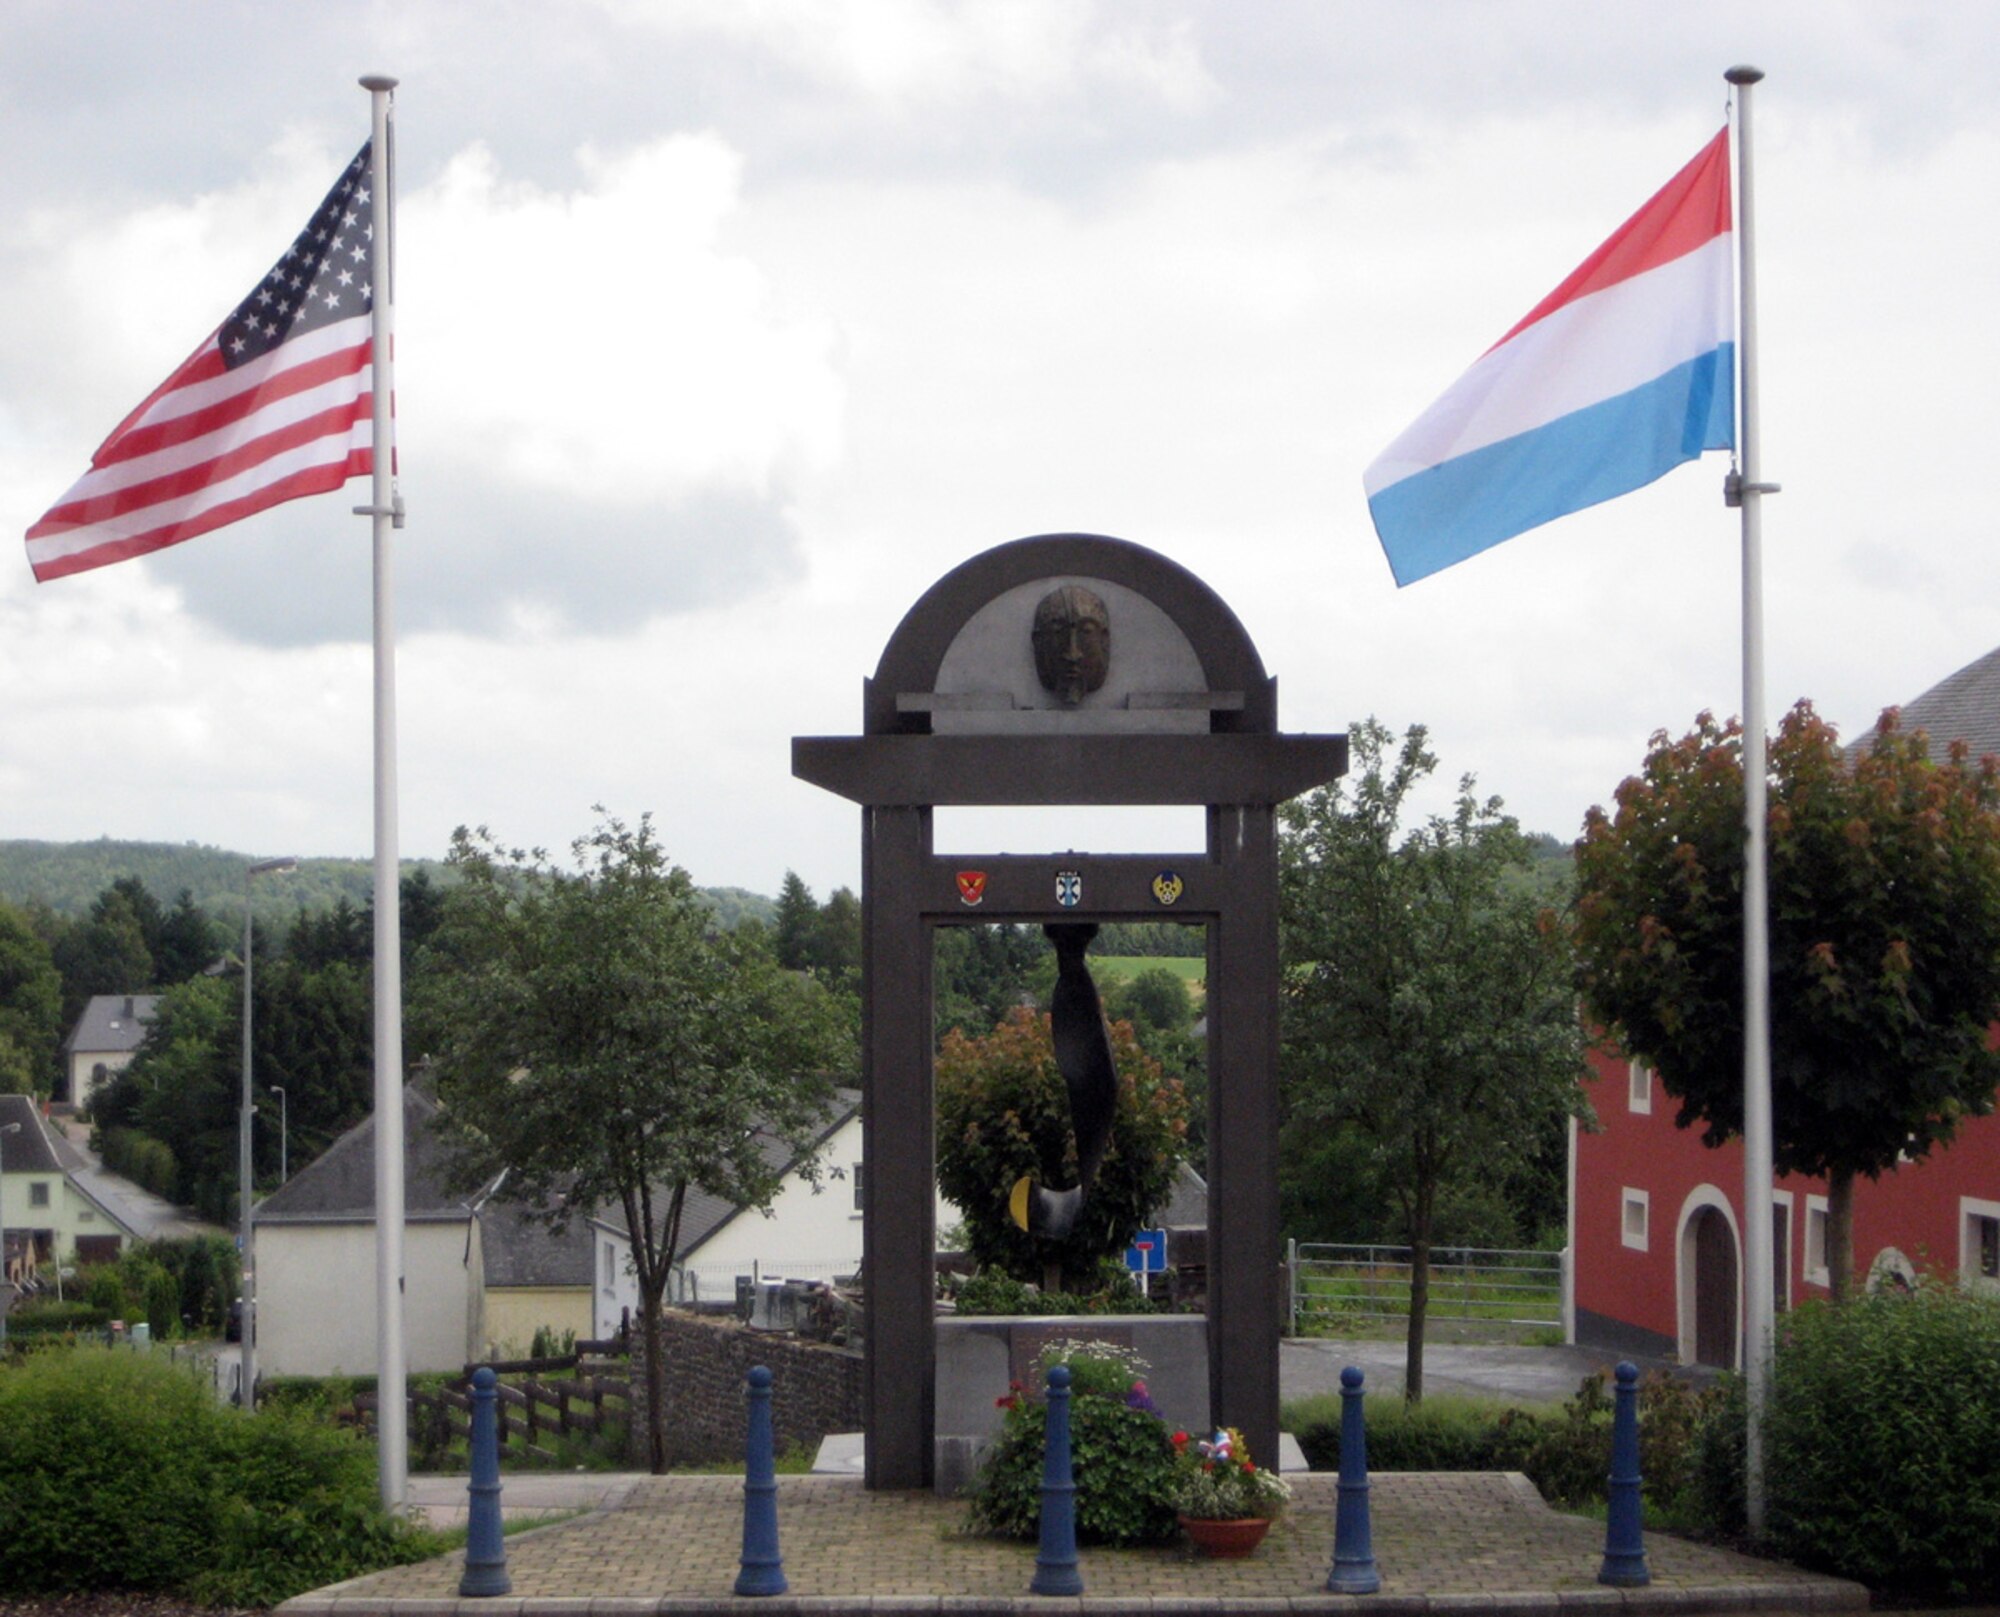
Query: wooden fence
x,y
535,1411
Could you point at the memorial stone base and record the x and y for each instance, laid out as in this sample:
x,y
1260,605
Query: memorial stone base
x,y
979,1358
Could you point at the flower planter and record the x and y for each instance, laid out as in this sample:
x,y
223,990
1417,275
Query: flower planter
x,y
1226,1539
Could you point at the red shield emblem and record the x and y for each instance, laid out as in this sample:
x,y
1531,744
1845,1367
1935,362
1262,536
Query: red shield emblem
x,y
971,886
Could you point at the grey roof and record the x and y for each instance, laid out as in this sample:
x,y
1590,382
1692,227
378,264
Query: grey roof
x,y
339,1187
27,1149
1964,706
111,1023
521,1249
1187,1202
702,1215
35,1148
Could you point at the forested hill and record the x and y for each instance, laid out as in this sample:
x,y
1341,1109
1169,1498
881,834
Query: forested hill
x,y
68,877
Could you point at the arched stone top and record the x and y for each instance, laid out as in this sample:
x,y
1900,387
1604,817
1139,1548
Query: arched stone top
x,y
962,660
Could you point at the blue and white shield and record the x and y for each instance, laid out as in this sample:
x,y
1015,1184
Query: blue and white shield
x,y
1069,888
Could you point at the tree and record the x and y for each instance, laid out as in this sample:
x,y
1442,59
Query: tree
x,y
981,973
1426,996
183,1088
598,1043
793,933
1003,1113
1884,881
30,1006
836,948
105,954
186,942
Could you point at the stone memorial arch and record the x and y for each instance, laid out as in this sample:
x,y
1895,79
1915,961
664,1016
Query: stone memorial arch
x,y
1069,669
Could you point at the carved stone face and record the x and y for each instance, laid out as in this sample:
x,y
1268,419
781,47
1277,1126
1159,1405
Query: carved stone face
x,y
1072,642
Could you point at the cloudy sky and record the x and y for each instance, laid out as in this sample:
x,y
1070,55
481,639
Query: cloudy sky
x,y
726,326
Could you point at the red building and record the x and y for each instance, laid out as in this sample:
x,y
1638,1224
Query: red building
x,y
1656,1228
1655,1217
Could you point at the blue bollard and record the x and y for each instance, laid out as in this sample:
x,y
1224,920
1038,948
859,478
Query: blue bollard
x,y
1624,1524
1354,1570
485,1546
763,1568
1056,1570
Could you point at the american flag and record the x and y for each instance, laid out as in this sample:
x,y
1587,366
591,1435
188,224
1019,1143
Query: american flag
x,y
276,403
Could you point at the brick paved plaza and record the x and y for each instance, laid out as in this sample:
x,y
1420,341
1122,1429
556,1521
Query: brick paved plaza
x,y
1443,1542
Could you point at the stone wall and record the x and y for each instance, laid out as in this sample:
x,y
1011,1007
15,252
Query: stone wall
x,y
815,1389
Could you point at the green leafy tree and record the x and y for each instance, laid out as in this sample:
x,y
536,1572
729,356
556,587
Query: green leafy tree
x,y
1002,1113
30,1006
1426,996
1884,881
1154,1000
597,1041
980,973
183,1089
836,948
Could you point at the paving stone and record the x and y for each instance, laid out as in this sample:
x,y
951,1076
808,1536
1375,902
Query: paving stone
x,y
1444,1543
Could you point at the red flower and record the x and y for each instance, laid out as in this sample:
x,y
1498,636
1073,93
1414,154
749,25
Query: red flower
x,y
1180,1440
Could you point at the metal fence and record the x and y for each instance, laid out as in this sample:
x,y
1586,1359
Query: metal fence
x,y
718,1285
1468,1285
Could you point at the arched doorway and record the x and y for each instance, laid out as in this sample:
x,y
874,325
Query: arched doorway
x,y
1713,1246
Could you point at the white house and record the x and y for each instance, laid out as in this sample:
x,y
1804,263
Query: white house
x,y
47,1214
315,1259
481,1274
807,1235
102,1044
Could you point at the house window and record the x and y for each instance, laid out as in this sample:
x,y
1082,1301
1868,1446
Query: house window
x,y
38,1193
1634,1220
857,1189
610,1281
1639,1097
1979,1242
1816,1274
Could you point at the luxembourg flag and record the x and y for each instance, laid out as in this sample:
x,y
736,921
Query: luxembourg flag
x,y
1616,377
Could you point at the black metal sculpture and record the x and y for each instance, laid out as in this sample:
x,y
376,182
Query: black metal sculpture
x,y
1083,1057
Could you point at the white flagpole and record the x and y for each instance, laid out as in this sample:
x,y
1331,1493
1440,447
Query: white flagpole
x,y
386,508
1746,490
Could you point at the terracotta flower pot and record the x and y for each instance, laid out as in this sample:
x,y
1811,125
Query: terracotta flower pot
x,y
1226,1539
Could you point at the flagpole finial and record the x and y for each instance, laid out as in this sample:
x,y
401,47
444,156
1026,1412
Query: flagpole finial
x,y
1744,75
383,81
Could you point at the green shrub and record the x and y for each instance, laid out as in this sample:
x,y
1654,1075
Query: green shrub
x,y
160,1294
1565,1452
1123,1461
1882,1440
44,1316
104,1288
124,1473
1121,1454
994,1292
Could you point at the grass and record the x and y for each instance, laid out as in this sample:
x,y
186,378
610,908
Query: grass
x,y
1192,969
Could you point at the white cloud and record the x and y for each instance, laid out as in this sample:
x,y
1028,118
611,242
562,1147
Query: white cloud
x,y
601,342
906,56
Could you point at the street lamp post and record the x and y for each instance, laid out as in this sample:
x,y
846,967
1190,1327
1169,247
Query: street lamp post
x,y
5,1278
284,1135
248,1110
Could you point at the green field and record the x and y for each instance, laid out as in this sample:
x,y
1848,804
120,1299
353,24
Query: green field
x,y
1192,969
